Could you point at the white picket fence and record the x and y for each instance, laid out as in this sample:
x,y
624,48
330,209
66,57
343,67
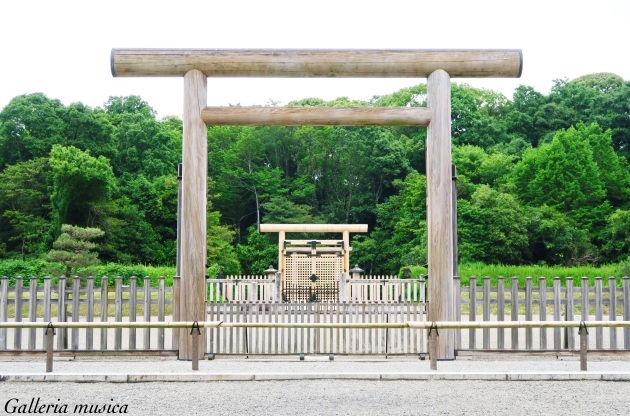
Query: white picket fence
x,y
385,341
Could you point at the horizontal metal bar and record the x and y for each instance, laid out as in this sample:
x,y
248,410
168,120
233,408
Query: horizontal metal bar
x,y
409,324
109,324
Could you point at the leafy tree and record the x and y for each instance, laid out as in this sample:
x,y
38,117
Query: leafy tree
x,y
551,118
88,129
74,247
258,253
221,252
79,182
281,210
564,175
496,170
117,107
613,169
468,160
616,236
129,237
603,98
521,113
400,234
465,103
556,239
25,206
29,126
29,231
492,227
244,178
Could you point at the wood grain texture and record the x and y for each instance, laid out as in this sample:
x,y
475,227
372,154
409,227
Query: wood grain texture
x,y
359,63
439,209
193,216
313,228
316,116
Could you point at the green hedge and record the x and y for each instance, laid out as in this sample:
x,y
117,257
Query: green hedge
x,y
40,269
481,270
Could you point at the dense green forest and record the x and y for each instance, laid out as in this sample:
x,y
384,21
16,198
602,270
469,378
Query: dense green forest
x,y
542,179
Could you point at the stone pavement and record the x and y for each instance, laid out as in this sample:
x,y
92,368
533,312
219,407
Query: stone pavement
x,y
152,369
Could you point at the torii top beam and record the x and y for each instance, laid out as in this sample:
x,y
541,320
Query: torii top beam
x,y
290,63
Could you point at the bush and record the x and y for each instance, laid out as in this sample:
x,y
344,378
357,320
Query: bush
x,y
624,267
13,268
41,268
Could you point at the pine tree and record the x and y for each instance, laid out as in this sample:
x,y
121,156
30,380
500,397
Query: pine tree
x,y
74,247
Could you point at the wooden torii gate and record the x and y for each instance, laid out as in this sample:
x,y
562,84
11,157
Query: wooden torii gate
x,y
438,66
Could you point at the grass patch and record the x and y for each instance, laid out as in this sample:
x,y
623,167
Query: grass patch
x,y
40,269
494,271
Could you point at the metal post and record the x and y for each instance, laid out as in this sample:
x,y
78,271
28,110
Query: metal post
x,y
195,332
583,331
433,346
50,338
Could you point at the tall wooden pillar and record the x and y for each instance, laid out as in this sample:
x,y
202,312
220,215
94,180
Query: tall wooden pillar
x,y
439,210
193,214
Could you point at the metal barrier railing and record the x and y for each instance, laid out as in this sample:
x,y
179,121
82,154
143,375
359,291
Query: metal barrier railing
x,y
432,327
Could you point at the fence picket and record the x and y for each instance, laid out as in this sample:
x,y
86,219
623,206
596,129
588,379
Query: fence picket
x,y
486,311
47,300
542,296
612,310
458,307
61,313
118,313
104,309
472,311
17,303
161,311
569,313
147,312
76,286
557,308
133,299
626,311
529,300
584,299
501,311
89,332
4,309
514,311
32,311
599,313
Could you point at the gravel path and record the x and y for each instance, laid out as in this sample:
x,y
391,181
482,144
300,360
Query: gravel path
x,y
322,397
325,397
341,364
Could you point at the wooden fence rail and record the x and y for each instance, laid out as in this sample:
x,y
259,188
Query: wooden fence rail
x,y
432,328
80,301
502,303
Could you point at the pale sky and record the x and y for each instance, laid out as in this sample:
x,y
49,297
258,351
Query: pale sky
x,y
62,48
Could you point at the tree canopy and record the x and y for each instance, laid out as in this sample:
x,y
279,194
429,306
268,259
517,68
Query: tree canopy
x,y
542,178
